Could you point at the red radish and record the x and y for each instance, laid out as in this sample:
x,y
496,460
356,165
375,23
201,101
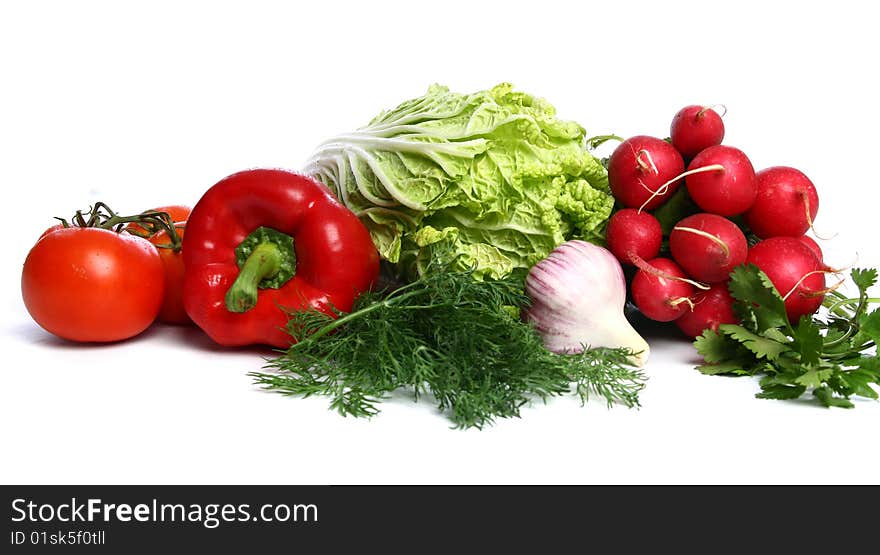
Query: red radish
x,y
795,272
814,246
661,290
708,247
695,128
786,204
711,309
633,233
640,170
727,191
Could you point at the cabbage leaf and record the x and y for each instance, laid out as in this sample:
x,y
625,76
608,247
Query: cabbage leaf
x,y
490,181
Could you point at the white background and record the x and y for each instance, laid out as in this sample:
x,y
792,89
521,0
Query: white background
x,y
148,104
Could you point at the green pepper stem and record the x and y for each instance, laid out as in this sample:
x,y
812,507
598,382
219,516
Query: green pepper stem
x,y
263,262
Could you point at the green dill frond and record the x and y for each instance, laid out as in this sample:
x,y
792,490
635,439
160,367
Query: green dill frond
x,y
448,335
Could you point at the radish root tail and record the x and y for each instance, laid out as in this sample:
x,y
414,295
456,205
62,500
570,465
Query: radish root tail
x,y
707,235
721,114
663,189
675,302
830,270
823,292
640,263
649,165
806,198
801,281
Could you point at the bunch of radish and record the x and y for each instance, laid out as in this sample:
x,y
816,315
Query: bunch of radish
x,y
687,283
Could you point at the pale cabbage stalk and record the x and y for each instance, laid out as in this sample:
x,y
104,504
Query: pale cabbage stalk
x,y
577,297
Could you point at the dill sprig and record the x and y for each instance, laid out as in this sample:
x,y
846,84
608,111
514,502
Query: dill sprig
x,y
448,336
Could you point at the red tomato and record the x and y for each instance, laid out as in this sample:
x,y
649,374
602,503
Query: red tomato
x,y
93,285
172,311
55,227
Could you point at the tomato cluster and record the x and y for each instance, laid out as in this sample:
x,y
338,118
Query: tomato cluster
x,y
106,278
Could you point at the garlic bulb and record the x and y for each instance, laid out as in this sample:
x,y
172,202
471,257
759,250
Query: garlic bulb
x,y
578,293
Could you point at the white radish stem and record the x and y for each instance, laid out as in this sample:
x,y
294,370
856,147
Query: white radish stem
x,y
645,187
806,198
663,189
707,235
640,263
836,271
650,165
823,292
801,281
675,302
712,107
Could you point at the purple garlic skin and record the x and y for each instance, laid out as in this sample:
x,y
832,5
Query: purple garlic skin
x,y
578,293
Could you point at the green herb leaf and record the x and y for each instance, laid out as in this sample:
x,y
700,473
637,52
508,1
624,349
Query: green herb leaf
x,y
715,347
448,335
864,278
758,298
781,391
829,399
836,341
858,382
808,340
760,346
869,325
735,367
814,377
870,364
776,335
834,356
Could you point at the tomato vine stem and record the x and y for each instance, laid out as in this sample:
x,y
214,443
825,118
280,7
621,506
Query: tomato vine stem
x,y
148,223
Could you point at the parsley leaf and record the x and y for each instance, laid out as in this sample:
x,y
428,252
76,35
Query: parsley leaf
x,y
831,356
869,325
814,377
807,341
715,347
774,389
734,367
758,299
829,399
859,381
760,346
864,278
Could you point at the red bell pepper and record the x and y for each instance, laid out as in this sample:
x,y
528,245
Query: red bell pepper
x,y
264,242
